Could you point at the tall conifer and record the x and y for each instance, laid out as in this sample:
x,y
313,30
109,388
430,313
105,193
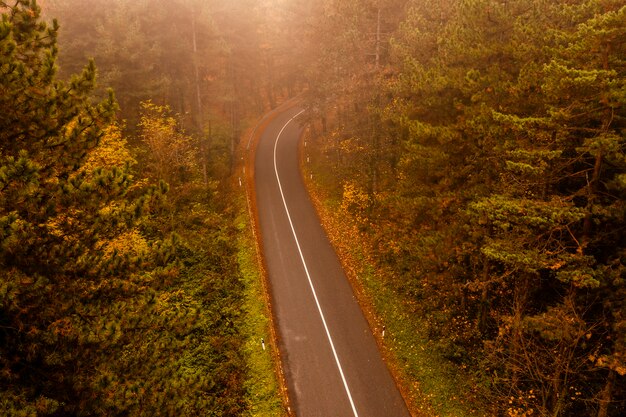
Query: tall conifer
x,y
59,273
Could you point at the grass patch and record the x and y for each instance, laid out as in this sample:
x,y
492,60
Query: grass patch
x,y
261,386
434,385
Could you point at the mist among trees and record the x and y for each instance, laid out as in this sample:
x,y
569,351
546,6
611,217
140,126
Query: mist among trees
x,y
477,145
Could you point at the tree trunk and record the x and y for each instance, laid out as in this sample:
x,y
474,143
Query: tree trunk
x,y
558,393
592,187
484,299
597,168
378,39
199,111
520,298
606,395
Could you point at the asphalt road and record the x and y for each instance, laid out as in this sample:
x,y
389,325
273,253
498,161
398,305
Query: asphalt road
x,y
331,361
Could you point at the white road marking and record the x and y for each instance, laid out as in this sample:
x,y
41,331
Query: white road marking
x,y
319,307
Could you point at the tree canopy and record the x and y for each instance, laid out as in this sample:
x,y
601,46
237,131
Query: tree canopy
x,y
494,133
105,308
477,146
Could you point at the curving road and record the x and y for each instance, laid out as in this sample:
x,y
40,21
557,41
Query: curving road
x,y
331,361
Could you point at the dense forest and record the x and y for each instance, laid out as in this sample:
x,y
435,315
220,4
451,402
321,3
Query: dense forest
x,y
480,148
121,291
477,146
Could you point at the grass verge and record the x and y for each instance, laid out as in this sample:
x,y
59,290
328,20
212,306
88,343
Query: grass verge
x,y
265,387
261,386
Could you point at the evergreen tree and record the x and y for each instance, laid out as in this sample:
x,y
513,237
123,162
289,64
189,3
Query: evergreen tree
x,y
54,218
508,170
100,312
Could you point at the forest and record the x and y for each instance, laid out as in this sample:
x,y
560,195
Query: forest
x,y
479,148
475,149
121,286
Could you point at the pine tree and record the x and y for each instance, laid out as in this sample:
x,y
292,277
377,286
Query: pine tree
x,y
551,220
60,270
509,173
